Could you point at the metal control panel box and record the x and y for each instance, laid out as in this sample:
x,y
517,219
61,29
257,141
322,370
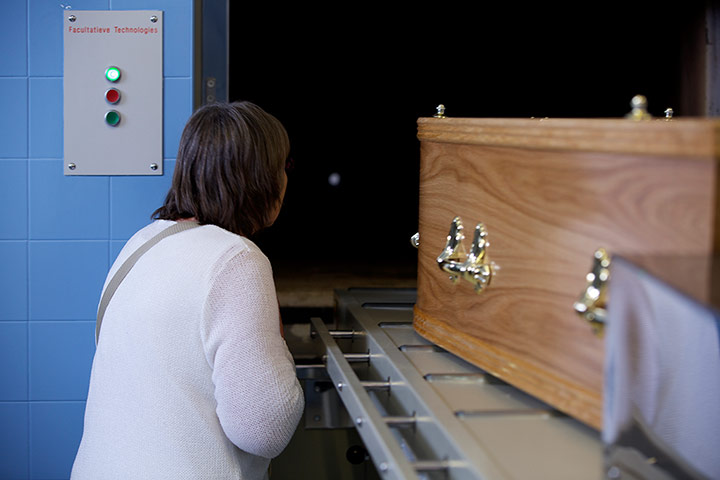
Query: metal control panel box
x,y
113,92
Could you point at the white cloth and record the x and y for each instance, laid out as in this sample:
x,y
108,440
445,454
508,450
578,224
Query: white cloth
x,y
191,378
662,367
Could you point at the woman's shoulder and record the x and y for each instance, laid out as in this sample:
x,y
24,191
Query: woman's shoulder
x,y
141,236
214,235
150,230
208,244
228,249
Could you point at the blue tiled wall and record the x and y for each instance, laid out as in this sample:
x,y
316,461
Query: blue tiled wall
x,y
59,234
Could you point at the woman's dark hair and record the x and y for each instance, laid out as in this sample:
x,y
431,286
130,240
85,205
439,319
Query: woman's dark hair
x,y
229,169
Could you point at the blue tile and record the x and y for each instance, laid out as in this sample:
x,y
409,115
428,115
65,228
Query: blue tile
x,y
13,197
66,279
14,117
45,52
14,440
177,108
13,39
55,432
169,170
115,247
177,32
67,207
13,361
13,281
46,118
61,356
133,200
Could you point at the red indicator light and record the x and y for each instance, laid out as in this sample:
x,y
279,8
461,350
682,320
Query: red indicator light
x,y
112,96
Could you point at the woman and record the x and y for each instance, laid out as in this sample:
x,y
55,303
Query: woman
x,y
191,377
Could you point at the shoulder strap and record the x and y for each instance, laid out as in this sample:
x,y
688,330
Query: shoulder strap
x,y
128,264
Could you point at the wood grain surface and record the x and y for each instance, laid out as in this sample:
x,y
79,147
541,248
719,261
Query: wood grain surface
x,y
549,199
689,137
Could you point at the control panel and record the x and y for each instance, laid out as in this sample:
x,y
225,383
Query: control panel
x,y
113,92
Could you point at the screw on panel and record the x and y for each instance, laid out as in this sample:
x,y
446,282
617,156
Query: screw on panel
x,y
383,467
359,421
71,166
72,18
614,473
210,89
153,166
154,19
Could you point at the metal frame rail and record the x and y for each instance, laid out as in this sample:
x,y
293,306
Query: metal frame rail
x,y
407,425
375,429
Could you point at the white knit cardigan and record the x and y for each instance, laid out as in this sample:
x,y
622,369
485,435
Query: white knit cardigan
x,y
191,377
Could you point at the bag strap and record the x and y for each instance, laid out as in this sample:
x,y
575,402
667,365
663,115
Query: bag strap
x,y
128,264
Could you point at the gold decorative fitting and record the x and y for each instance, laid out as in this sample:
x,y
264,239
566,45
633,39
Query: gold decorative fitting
x,y
592,303
440,111
639,106
474,266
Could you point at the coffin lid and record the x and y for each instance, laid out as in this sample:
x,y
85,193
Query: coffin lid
x,y
691,137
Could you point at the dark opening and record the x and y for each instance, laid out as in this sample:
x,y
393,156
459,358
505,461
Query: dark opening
x,y
350,82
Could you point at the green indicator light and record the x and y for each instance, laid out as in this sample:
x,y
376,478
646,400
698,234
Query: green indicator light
x,y
112,118
112,74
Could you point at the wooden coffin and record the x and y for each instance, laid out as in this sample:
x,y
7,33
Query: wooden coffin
x,y
551,192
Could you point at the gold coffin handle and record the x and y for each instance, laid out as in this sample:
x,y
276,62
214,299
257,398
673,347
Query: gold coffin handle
x,y
474,267
592,303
